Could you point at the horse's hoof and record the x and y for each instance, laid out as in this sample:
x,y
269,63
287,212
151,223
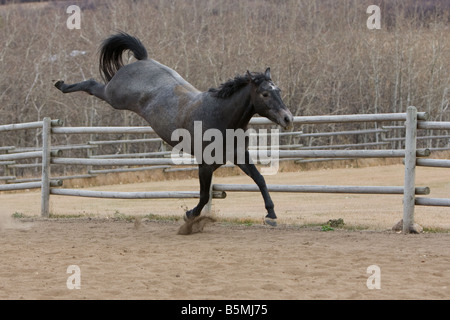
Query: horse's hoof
x,y
59,84
270,222
188,217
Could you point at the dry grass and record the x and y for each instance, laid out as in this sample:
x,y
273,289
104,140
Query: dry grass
x,y
321,53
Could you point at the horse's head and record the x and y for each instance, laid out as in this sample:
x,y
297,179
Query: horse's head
x,y
267,101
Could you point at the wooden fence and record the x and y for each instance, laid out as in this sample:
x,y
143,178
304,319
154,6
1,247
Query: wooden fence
x,y
412,157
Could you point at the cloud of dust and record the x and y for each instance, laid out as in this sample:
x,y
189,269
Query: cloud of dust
x,y
8,223
195,225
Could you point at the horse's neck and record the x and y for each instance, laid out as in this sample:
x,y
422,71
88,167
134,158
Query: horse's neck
x,y
239,109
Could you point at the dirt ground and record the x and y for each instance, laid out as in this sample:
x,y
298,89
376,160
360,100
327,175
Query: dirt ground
x,y
149,260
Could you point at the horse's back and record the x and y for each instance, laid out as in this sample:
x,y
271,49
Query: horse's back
x,y
146,75
154,91
168,75
136,85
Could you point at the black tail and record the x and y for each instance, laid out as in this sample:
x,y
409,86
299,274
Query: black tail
x,y
111,53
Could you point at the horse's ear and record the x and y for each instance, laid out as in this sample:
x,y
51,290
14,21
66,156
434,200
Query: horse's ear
x,y
250,76
267,74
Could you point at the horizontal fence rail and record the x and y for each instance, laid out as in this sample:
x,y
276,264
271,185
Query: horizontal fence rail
x,y
438,163
120,162
124,141
133,195
345,118
28,155
103,130
29,125
320,189
20,186
439,202
338,133
28,185
342,153
434,125
20,156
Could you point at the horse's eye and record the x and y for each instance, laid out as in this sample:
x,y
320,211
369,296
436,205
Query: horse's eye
x,y
265,94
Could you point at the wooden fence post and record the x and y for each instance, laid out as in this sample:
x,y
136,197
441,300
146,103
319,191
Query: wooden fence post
x,y
46,154
410,170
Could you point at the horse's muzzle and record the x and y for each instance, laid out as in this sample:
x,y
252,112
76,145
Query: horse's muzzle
x,y
287,121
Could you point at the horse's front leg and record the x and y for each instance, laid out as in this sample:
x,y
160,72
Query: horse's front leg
x,y
251,170
205,173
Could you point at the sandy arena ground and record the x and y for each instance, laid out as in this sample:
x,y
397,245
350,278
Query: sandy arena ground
x,y
148,260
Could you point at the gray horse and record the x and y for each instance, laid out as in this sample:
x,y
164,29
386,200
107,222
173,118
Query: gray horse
x,y
168,102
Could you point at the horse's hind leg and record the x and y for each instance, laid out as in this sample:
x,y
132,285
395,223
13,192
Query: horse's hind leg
x,y
90,86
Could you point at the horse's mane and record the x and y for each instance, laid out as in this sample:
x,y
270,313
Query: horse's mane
x,y
232,86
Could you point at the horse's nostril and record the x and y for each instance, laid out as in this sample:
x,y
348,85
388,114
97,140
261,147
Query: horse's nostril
x,y
287,119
